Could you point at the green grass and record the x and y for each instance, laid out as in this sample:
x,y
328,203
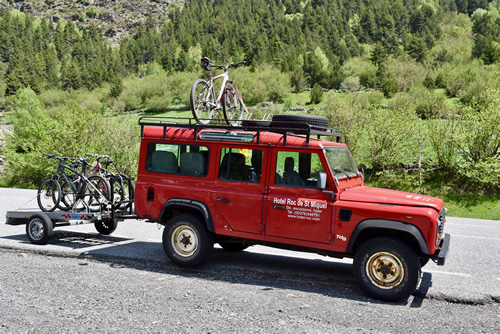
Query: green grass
x,y
480,207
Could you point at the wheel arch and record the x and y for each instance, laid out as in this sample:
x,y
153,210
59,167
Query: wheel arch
x,y
370,228
175,206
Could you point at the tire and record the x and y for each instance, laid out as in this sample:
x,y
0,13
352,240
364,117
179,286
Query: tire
x,y
123,191
186,241
423,260
48,195
387,269
289,120
39,229
100,193
256,123
106,227
232,106
233,246
201,98
67,196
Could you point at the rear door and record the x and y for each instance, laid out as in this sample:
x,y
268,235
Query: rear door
x,y
239,187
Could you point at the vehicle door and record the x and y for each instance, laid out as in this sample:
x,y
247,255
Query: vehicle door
x,y
239,187
295,207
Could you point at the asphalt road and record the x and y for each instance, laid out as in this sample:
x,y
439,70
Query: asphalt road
x,y
462,296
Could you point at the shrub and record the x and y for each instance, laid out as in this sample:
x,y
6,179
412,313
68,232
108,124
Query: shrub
x,y
388,138
316,94
479,136
267,83
479,177
67,130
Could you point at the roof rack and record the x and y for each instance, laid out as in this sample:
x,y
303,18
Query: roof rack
x,y
285,128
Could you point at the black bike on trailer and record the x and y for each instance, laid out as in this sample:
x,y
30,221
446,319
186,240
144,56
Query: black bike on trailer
x,y
67,188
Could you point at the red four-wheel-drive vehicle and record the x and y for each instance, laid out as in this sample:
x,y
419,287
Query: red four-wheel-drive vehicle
x,y
279,184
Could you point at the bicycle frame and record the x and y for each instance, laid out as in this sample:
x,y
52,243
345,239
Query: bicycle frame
x,y
82,179
225,80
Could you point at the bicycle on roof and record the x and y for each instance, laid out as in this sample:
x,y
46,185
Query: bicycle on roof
x,y
206,106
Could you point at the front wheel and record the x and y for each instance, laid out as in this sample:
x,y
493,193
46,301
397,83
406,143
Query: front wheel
x,y
186,241
49,195
387,269
203,104
233,106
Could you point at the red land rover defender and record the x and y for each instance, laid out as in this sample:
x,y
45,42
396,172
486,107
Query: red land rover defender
x,y
281,185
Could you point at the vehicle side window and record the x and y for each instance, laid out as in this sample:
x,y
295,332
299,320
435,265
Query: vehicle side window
x,y
177,159
243,165
297,169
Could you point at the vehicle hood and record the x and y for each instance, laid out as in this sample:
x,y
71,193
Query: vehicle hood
x,y
387,196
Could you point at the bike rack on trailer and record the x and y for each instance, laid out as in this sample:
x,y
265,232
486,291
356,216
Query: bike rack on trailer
x,y
40,225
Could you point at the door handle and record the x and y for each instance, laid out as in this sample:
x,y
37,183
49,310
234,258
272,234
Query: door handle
x,y
278,207
221,200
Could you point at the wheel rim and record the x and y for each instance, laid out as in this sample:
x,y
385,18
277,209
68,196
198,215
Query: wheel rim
x,y
36,229
202,107
385,270
184,241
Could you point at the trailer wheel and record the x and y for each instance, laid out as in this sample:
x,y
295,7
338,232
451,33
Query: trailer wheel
x,y
186,241
39,229
106,226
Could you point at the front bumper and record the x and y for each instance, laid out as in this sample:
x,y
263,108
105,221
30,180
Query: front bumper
x,y
440,255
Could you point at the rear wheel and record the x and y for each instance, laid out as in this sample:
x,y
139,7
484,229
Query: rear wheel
x,y
233,106
123,191
186,241
233,246
202,102
387,269
49,195
39,229
100,192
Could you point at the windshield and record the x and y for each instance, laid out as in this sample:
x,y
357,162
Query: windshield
x,y
341,162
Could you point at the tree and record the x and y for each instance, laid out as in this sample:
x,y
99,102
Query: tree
x,y
491,53
417,49
316,94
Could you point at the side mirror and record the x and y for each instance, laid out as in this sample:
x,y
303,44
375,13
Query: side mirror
x,y
321,183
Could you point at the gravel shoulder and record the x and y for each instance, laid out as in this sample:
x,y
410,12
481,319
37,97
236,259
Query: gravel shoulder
x,y
43,294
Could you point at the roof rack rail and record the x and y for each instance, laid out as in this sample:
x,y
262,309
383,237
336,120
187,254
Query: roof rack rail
x,y
285,128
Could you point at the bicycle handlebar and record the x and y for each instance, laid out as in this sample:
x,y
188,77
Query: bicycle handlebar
x,y
53,156
225,67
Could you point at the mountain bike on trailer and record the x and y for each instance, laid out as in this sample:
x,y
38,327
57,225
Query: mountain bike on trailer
x,y
206,106
121,185
68,188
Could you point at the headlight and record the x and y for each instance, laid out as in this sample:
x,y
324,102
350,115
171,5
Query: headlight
x,y
441,219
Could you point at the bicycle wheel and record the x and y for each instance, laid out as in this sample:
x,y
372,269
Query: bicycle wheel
x,y
100,192
48,195
124,185
202,102
68,197
233,106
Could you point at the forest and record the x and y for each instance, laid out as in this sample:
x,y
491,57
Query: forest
x,y
413,84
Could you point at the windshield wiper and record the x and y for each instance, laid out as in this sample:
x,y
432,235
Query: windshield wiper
x,y
336,170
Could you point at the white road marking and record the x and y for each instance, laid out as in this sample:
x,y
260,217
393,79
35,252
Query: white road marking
x,y
473,237
447,273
